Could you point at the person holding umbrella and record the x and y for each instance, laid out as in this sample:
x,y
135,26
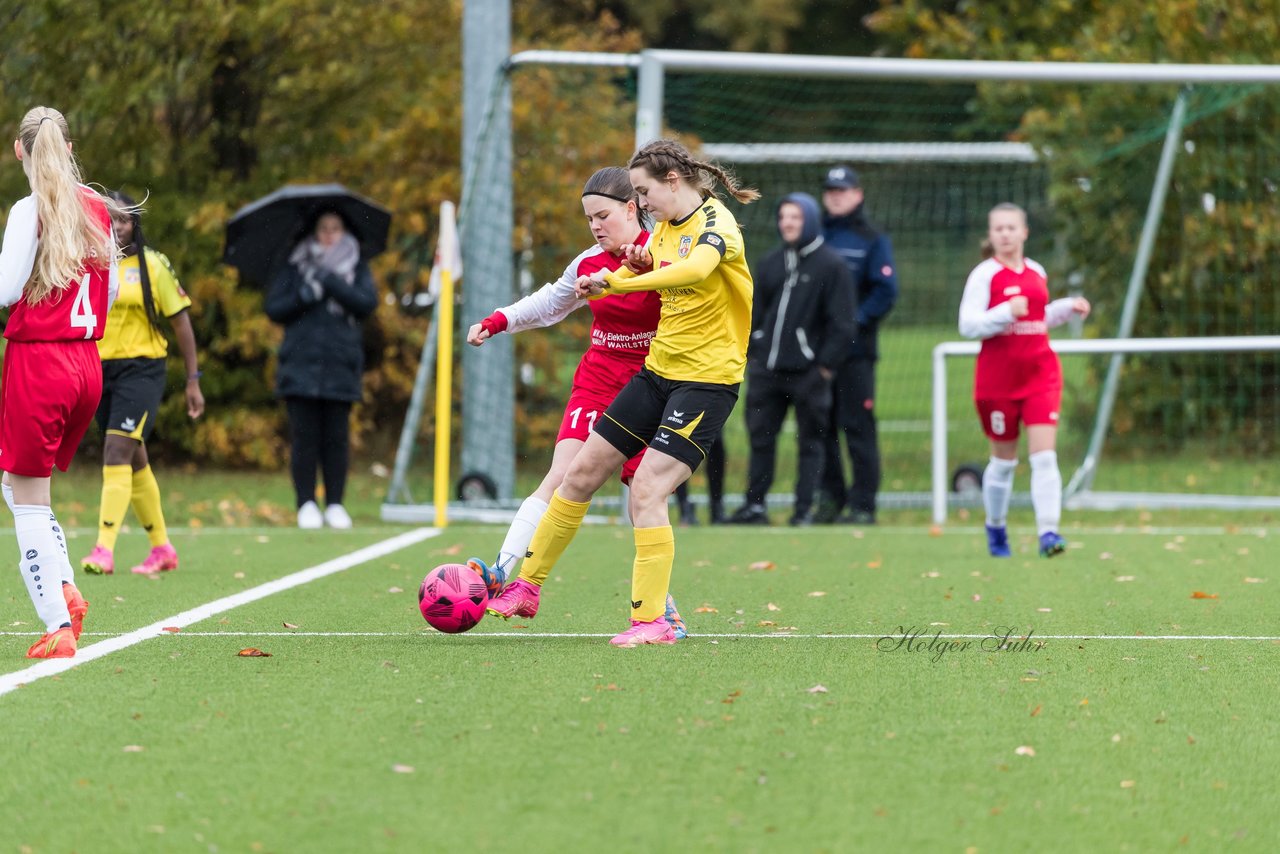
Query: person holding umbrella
x,y
321,295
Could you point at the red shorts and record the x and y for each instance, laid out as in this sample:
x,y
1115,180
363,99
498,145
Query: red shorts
x,y
1000,418
49,392
596,383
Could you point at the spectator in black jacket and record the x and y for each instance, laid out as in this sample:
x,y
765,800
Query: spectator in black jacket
x,y
801,329
321,297
869,256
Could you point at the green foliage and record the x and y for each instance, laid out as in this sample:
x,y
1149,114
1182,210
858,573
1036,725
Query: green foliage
x,y
209,104
1215,257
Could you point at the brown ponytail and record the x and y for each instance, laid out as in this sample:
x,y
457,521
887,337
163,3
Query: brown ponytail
x,y
663,156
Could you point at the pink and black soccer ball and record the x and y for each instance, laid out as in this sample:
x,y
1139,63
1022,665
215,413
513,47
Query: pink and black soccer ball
x,y
452,598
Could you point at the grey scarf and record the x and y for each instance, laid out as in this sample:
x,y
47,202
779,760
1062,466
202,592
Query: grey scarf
x,y
311,258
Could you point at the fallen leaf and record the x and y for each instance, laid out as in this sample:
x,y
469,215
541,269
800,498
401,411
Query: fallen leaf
x,y
402,769
264,539
253,652
765,623
394,590
1242,551
931,574
1125,577
453,550
1025,750
772,607
935,530
133,748
873,564
1105,556
238,575
1254,580
1085,701
817,593
977,597
763,566
172,629
1045,610
1036,710
1200,594
818,689
704,608
733,696
1127,784
290,626
119,598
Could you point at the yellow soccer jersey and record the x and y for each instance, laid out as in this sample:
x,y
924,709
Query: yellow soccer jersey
x,y
128,334
705,324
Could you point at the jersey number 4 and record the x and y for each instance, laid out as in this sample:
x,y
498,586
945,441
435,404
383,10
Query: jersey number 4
x,y
82,316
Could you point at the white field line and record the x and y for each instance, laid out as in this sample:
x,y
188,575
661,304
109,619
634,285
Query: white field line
x,y
52,667
899,530
743,636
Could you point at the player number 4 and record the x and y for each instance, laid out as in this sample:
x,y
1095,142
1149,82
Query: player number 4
x,y
82,316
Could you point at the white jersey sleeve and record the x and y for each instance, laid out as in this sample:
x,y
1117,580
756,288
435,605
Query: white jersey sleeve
x,y
976,320
18,252
1059,311
549,304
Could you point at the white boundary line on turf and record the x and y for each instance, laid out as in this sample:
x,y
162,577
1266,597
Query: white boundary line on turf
x,y
52,667
743,635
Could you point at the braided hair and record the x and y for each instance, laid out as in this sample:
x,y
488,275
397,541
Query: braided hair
x,y
662,156
138,246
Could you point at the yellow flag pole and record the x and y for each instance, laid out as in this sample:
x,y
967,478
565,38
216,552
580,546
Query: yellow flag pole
x,y
444,395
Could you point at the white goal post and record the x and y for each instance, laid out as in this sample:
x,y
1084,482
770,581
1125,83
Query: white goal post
x,y
1086,498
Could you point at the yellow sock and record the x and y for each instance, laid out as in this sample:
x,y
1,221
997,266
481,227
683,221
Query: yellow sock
x,y
651,575
555,531
146,506
115,503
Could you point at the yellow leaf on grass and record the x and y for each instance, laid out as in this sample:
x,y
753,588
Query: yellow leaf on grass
x,y
704,608
818,689
402,769
772,607
289,626
763,566
1200,594
1127,784
817,593
1025,750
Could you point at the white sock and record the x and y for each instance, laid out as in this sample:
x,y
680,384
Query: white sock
x,y
520,534
8,495
997,488
1046,490
40,563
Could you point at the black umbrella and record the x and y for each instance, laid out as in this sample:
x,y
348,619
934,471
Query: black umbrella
x,y
261,234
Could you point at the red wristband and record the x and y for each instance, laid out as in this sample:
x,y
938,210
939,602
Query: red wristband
x,y
494,323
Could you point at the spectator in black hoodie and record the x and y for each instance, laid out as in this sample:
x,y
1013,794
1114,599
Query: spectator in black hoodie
x,y
801,330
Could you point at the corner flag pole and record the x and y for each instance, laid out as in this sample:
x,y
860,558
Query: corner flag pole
x,y
449,263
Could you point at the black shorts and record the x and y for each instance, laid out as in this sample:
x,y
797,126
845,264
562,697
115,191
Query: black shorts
x,y
680,418
131,393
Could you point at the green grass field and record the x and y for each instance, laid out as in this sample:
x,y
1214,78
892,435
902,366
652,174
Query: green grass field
x,y
784,723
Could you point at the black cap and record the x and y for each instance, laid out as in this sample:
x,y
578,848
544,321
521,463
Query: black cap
x,y
840,178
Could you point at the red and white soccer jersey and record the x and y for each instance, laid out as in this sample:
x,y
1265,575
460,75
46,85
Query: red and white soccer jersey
x,y
1018,377
622,327
52,376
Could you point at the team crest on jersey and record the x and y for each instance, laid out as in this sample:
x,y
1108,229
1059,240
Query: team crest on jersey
x,y
686,243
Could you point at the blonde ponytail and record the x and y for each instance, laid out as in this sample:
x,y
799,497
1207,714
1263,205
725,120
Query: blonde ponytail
x,y
69,237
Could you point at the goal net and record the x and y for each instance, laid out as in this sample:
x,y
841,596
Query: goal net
x,y
933,157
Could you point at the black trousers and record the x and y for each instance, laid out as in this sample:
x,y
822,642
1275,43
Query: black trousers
x,y
853,415
319,433
715,477
769,395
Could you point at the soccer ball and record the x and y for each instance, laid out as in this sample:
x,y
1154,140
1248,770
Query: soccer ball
x,y
452,598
